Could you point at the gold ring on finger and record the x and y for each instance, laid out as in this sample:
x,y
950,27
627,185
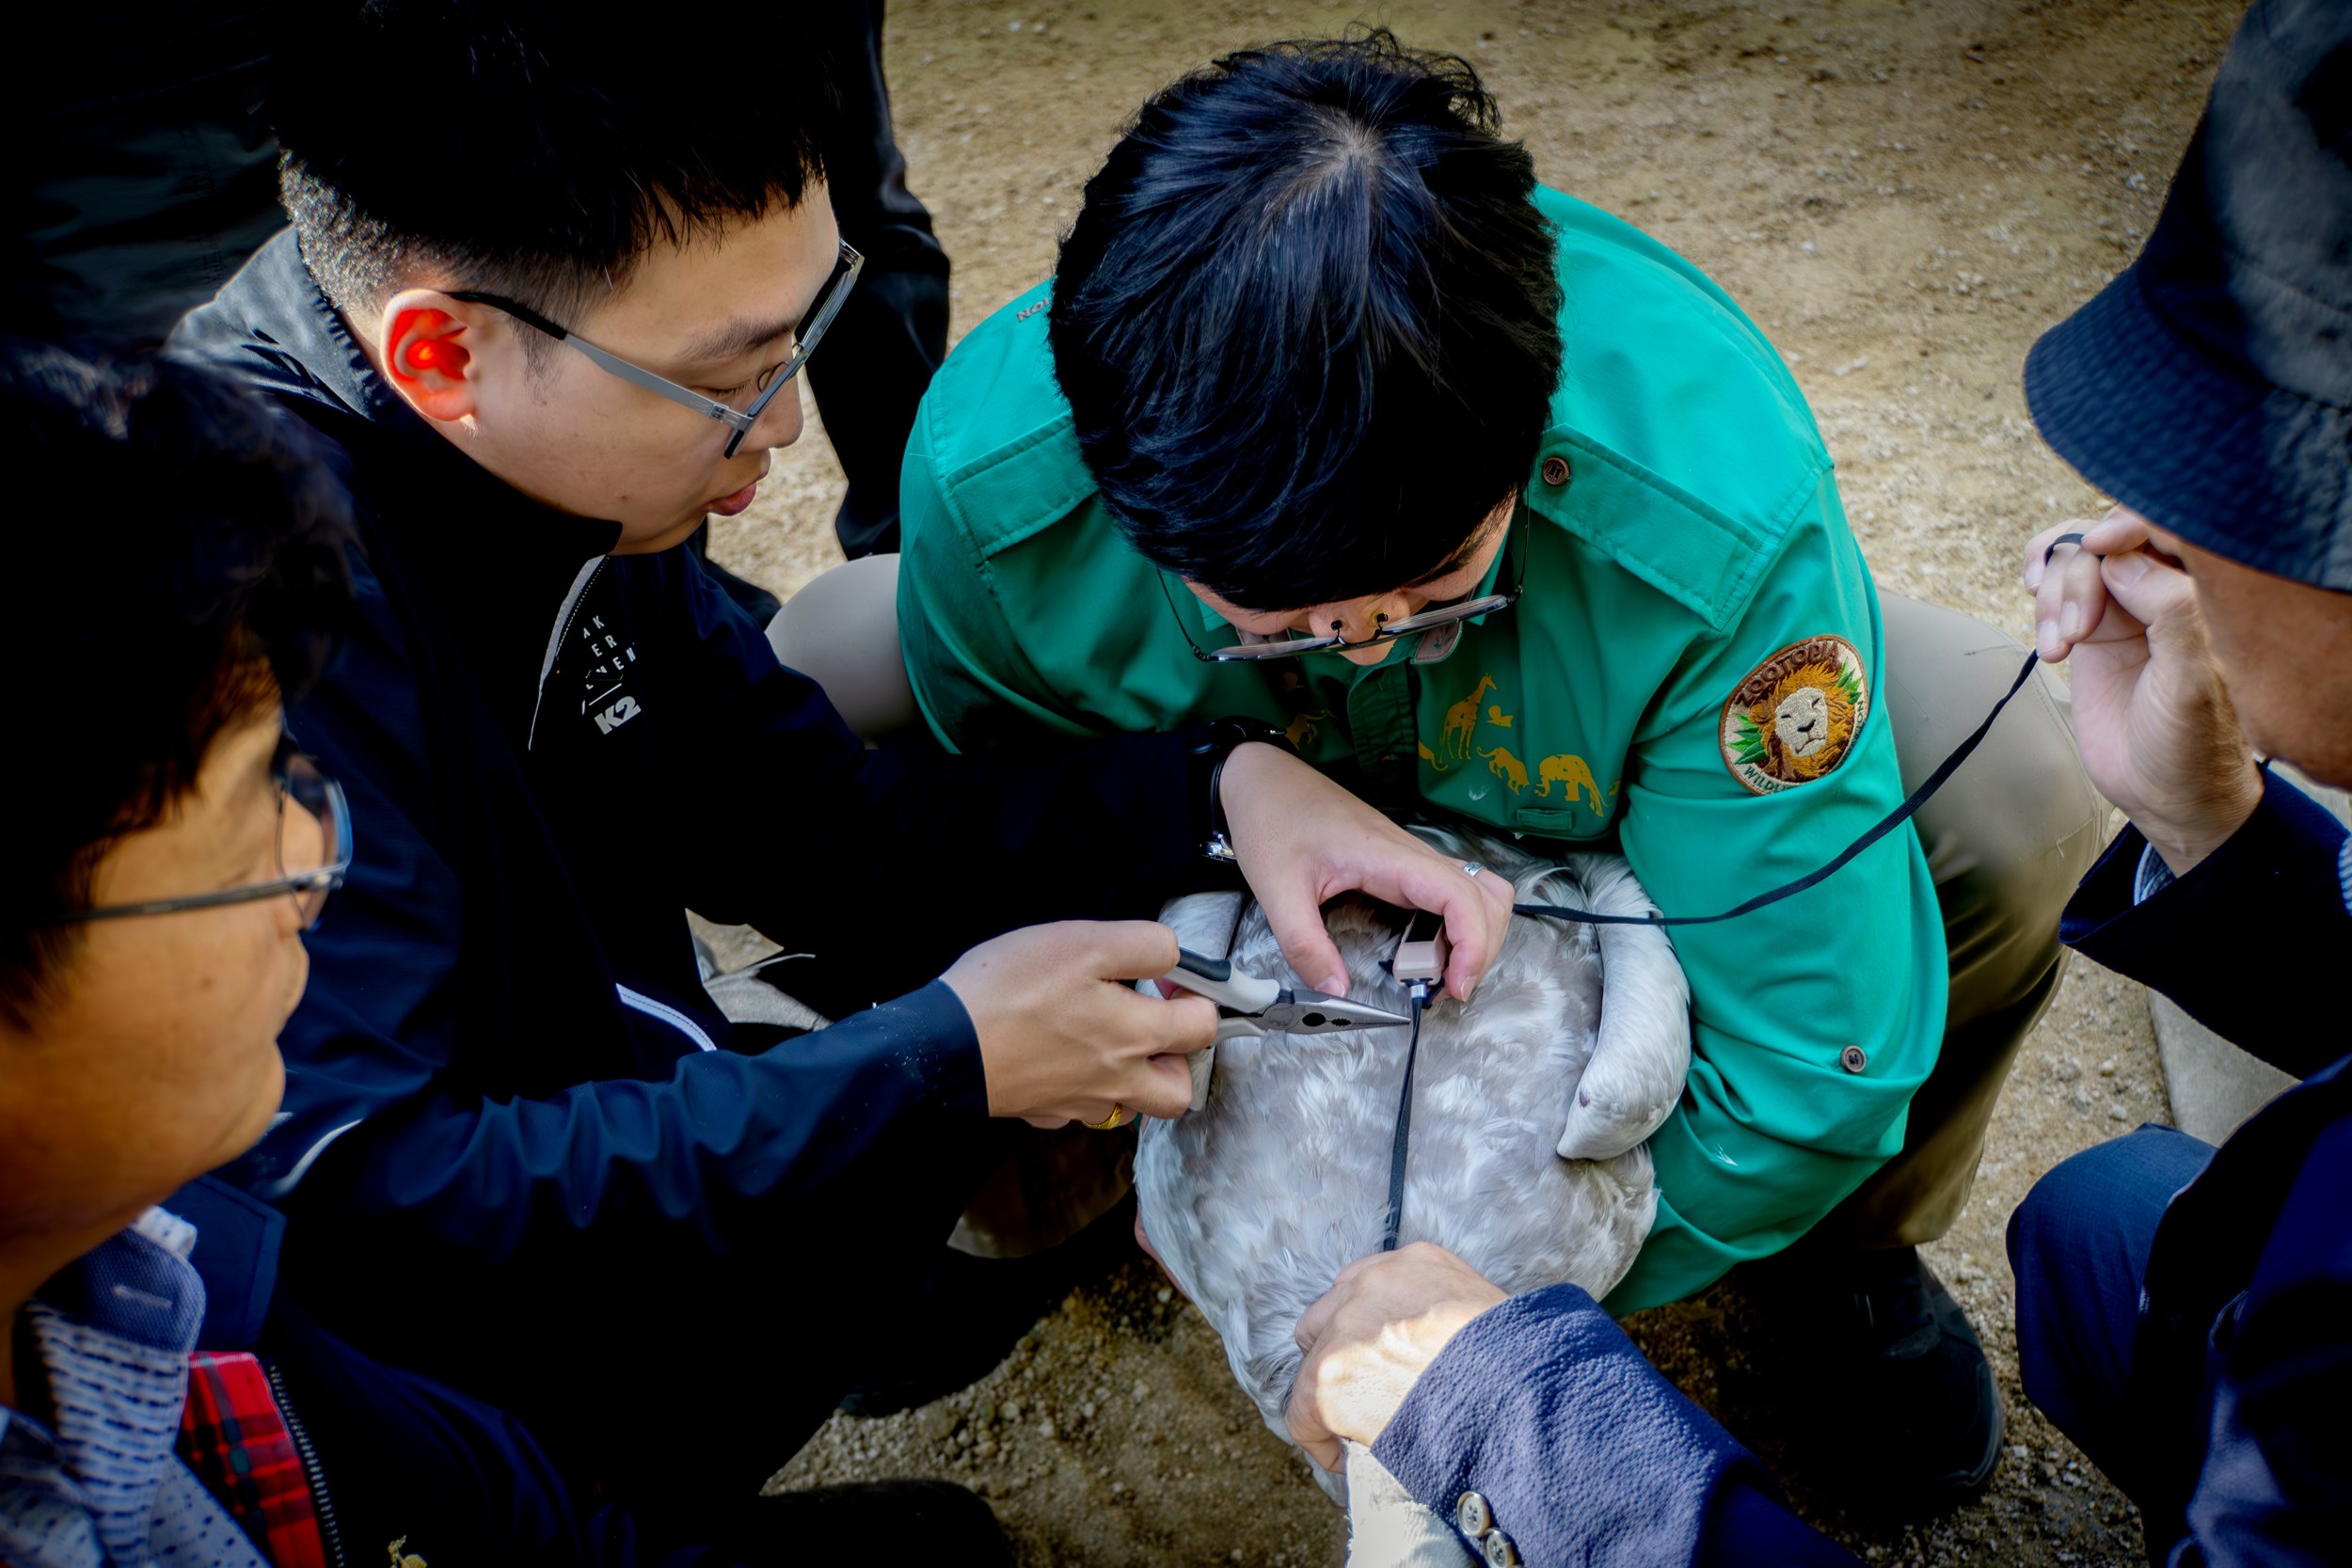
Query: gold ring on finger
x,y
1119,1118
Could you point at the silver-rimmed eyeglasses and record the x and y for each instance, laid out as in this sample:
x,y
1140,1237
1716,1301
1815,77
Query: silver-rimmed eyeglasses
x,y
301,782
764,385
1435,632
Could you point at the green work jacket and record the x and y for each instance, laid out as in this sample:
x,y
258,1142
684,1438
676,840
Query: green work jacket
x,y
1692,671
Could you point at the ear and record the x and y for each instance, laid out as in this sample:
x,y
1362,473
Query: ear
x,y
431,351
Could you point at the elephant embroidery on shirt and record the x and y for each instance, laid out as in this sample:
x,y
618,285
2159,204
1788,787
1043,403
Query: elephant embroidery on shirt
x,y
1574,777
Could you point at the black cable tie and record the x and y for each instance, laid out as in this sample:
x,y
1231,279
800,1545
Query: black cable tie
x,y
1901,814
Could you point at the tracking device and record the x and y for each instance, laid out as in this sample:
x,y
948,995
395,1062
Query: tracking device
x,y
1422,952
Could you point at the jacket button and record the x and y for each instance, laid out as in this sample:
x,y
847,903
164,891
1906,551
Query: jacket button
x,y
1472,1516
1501,1553
1853,1058
1555,471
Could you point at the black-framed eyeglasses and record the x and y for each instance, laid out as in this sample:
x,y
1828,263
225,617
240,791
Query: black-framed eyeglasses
x,y
300,781
765,386
1436,631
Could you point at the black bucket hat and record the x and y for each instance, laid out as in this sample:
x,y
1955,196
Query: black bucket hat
x,y
2209,387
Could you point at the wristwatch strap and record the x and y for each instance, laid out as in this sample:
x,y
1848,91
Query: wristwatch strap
x,y
1205,773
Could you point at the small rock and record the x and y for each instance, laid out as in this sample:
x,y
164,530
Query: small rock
x,y
1164,1295
2106,1069
2117,1113
1143,1390
1010,1410
2066,1069
1045,1428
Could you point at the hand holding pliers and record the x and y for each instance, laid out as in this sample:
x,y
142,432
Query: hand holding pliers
x,y
1249,1006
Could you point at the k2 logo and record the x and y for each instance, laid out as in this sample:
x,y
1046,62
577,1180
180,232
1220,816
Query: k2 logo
x,y
620,713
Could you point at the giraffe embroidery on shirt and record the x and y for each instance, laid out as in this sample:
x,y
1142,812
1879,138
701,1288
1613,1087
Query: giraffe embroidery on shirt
x,y
1461,721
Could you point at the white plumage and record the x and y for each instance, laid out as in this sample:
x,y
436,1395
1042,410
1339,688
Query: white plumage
x,y
1256,1202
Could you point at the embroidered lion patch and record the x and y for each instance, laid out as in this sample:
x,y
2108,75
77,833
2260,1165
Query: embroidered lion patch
x,y
1795,716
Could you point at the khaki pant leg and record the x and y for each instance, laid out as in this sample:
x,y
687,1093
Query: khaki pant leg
x,y
2007,840
842,632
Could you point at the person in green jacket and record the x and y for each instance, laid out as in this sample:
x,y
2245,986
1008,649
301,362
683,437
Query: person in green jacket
x,y
1513,516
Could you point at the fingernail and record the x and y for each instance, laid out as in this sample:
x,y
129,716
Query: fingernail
x,y
2069,618
2047,638
2033,573
1334,985
2124,570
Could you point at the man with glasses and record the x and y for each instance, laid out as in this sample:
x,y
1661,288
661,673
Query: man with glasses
x,y
167,1396
1333,416
526,1153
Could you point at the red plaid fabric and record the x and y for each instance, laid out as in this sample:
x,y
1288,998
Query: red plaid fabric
x,y
234,1438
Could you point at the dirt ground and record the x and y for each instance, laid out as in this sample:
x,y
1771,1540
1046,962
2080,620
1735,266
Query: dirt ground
x,y
1903,196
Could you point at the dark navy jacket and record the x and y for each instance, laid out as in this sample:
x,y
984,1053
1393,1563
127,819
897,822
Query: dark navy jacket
x,y
1586,1455
2244,1353
518,1141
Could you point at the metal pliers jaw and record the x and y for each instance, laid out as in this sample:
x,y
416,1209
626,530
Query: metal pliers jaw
x,y
1255,1008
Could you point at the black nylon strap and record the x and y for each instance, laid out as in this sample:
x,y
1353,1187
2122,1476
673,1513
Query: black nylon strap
x,y
1404,1131
1901,814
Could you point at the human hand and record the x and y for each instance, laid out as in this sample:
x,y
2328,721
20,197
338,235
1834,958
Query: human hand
x,y
1302,839
2155,725
1369,1339
1063,1034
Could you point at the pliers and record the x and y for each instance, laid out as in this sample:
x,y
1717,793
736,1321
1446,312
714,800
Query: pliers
x,y
1253,1008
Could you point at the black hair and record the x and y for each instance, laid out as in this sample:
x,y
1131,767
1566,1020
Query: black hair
x,y
209,580
527,147
1306,320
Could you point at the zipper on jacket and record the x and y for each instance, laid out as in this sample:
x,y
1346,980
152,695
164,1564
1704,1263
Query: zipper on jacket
x,y
667,1014
328,1532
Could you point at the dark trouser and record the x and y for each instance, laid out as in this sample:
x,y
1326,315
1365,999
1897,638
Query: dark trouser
x,y
142,170
2007,840
459,1483
892,333
2078,1246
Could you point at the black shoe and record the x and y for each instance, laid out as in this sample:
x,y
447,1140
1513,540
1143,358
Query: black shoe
x,y
1902,1390
921,1521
